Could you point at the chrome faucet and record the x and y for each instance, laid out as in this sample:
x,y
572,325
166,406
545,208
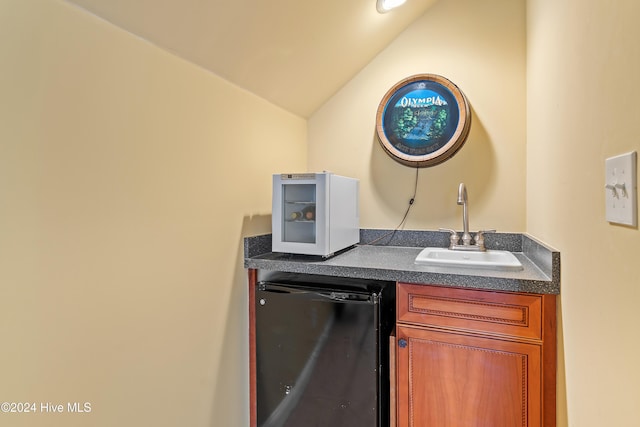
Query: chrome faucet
x,y
478,241
464,201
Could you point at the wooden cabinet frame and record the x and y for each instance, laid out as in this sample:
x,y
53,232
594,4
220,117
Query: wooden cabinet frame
x,y
497,346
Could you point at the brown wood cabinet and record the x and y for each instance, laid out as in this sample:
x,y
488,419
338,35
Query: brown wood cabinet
x,y
474,358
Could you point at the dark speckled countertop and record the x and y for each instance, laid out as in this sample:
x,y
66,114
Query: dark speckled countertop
x,y
391,258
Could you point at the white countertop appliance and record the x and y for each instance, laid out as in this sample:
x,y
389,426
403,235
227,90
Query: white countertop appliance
x,y
314,213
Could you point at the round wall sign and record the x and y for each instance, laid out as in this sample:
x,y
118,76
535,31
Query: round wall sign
x,y
423,120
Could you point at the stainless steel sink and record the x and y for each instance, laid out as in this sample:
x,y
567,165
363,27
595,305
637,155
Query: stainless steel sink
x,y
490,259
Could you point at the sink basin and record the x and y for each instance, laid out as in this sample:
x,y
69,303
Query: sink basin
x,y
490,259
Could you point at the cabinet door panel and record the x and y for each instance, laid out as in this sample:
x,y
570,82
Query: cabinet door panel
x,y
453,380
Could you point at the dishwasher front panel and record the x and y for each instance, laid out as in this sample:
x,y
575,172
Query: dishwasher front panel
x,y
317,357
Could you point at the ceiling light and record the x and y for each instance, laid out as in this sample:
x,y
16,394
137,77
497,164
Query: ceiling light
x,y
385,6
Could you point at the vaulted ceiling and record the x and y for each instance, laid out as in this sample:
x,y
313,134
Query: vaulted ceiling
x,y
294,53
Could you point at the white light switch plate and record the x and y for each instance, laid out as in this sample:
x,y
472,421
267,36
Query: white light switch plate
x,y
621,189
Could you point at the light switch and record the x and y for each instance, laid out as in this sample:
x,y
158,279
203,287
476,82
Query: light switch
x,y
621,189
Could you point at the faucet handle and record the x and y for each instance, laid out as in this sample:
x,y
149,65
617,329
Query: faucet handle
x,y
448,230
479,239
486,231
453,239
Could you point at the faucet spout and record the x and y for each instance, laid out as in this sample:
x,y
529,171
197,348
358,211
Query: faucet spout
x,y
466,245
464,201
462,194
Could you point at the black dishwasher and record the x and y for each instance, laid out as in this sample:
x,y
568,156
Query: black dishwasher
x,y
322,351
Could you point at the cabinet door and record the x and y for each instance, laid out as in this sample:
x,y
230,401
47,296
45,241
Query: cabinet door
x,y
446,379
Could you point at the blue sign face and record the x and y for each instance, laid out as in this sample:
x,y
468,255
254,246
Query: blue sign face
x,y
420,117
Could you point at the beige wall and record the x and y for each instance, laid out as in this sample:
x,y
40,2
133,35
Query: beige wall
x,y
480,46
127,179
583,63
